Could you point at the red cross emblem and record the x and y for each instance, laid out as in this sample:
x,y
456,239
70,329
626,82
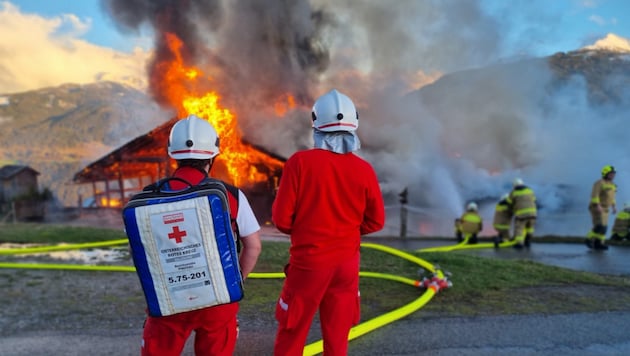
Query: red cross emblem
x,y
176,234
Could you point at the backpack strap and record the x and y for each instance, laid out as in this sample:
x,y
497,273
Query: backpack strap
x,y
233,202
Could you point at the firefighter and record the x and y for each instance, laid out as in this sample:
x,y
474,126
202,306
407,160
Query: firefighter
x,y
523,202
502,221
621,227
327,199
469,224
602,202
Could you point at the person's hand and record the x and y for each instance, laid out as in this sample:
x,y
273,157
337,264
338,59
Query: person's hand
x,y
614,209
599,208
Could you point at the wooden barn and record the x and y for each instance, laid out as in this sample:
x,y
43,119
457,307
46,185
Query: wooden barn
x,y
123,172
19,191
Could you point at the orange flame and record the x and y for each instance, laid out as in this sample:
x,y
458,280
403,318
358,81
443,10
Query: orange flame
x,y
181,86
284,104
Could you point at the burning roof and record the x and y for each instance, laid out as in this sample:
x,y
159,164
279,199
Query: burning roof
x,y
147,155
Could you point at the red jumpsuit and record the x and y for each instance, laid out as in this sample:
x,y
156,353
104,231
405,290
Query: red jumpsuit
x,y
325,201
215,327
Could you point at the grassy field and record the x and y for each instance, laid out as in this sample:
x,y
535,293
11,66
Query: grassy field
x,y
481,286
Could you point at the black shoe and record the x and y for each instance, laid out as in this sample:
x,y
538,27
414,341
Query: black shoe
x,y
518,246
589,243
472,240
616,237
599,245
527,242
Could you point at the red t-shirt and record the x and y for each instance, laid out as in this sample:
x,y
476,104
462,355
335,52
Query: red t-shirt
x,y
326,201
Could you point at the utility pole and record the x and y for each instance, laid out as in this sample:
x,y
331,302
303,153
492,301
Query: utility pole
x,y
403,213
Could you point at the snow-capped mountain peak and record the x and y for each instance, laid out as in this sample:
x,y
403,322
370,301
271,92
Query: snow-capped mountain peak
x,y
612,43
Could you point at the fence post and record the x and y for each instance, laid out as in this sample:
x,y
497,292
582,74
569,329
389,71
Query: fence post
x,y
403,213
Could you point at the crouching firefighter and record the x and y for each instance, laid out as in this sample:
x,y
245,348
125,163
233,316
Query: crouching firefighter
x,y
602,201
184,232
469,225
621,227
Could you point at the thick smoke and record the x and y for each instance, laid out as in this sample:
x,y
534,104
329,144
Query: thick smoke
x,y
464,138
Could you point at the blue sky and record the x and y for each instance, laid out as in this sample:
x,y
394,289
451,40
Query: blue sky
x,y
102,32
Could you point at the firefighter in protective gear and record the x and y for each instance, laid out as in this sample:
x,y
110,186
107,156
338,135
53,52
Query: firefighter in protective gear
x,y
469,224
523,202
327,199
602,202
194,144
621,227
502,221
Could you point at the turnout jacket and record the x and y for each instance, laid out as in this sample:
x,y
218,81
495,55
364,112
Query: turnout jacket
x,y
470,222
603,193
622,223
502,215
523,202
326,201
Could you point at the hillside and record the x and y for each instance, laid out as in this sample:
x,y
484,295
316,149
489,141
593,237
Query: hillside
x,y
59,130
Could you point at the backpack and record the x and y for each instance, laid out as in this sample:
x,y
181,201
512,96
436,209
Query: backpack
x,y
183,246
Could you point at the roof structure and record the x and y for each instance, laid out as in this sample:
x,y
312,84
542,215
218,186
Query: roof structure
x,y
11,170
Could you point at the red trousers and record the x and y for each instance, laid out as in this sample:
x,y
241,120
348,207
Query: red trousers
x,y
334,291
215,332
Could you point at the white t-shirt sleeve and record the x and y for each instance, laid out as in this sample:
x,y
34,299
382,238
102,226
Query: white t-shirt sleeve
x,y
245,218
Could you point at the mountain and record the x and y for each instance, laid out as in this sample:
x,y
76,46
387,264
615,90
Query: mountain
x,y
59,130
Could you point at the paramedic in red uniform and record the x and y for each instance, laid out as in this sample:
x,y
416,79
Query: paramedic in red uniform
x,y
194,143
328,197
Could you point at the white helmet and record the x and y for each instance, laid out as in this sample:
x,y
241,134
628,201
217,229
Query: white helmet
x,y
505,196
193,138
472,206
334,111
517,182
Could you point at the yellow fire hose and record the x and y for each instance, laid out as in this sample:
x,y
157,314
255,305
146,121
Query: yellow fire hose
x,y
432,286
465,246
62,247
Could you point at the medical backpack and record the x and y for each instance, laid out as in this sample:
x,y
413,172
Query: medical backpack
x,y
183,246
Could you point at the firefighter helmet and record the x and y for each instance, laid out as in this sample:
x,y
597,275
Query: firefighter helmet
x,y
193,138
608,169
472,206
517,182
505,196
334,111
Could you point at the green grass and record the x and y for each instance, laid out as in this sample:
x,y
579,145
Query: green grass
x,y
480,285
45,233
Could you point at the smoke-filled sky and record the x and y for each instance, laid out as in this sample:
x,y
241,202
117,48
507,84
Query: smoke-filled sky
x,y
446,151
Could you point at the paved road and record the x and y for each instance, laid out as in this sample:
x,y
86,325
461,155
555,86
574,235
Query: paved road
x,y
572,334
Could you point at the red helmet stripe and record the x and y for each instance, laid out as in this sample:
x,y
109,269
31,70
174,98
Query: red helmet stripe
x,y
192,151
337,124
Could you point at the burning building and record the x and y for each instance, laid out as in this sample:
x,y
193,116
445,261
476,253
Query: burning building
x,y
125,171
